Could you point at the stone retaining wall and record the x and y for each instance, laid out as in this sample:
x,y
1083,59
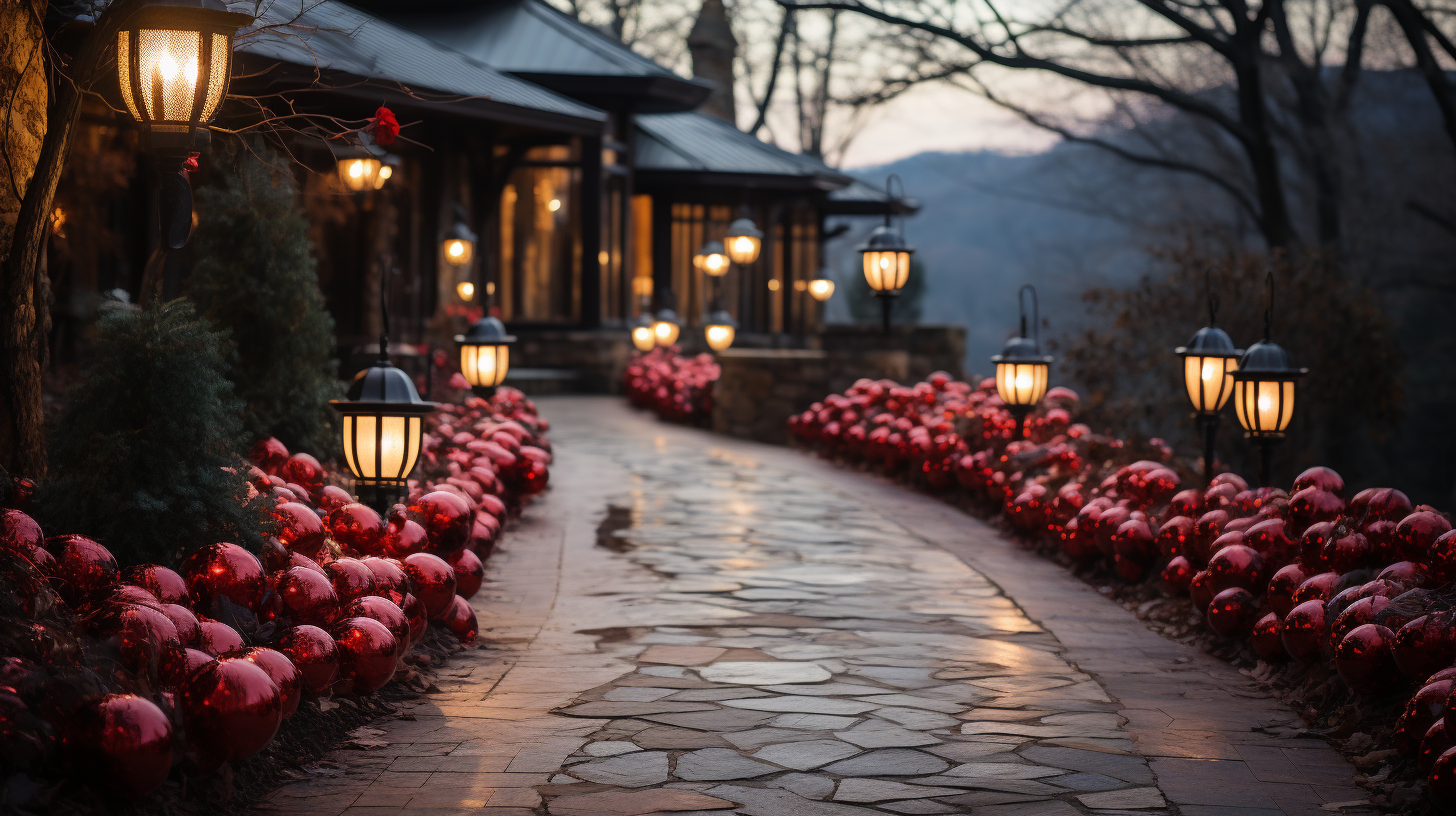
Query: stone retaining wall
x,y
760,389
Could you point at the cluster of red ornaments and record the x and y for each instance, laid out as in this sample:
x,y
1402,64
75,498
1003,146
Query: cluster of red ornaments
x,y
677,388
1306,574
224,648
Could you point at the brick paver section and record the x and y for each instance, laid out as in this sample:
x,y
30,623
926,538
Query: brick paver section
x,y
756,632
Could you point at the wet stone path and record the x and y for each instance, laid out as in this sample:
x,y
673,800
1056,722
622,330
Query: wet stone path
x,y
685,625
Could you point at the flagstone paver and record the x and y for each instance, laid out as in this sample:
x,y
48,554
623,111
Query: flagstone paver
x,y
691,625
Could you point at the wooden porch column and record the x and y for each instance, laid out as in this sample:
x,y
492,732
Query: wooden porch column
x,y
591,231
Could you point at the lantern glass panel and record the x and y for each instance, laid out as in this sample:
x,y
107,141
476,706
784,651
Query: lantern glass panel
x,y
1264,407
643,338
665,333
1209,380
743,249
170,66
719,337
485,366
1021,384
459,251
381,448
821,289
886,271
713,263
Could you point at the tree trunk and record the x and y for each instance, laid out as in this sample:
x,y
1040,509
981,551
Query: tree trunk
x,y
1409,18
1274,220
24,216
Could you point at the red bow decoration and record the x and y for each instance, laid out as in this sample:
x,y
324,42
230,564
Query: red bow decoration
x,y
190,163
384,127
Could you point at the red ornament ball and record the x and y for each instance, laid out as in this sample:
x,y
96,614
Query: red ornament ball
x,y
1303,631
1425,707
1232,612
445,517
179,672
305,470
387,613
1417,532
390,582
461,621
469,573
351,579
231,708
432,579
269,455
124,742
1177,575
307,596
1363,658
331,498
83,568
282,672
1201,590
1321,478
217,638
358,528
367,653
299,528
1265,638
405,537
224,570
18,531
185,622
1283,586
414,609
1436,742
1442,780
1425,645
313,652
166,585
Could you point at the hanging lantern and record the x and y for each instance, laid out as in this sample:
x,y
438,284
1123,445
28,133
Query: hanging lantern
x,y
665,327
643,337
382,425
174,61
1209,362
459,245
364,167
1022,371
1264,391
720,330
744,240
821,289
886,257
712,259
485,355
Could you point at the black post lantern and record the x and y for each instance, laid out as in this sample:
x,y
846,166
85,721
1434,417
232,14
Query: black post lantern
x,y
1264,391
719,330
643,337
383,425
1209,362
485,355
886,257
1022,371
743,240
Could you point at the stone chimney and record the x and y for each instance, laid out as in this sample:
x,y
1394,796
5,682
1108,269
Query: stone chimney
x,y
713,45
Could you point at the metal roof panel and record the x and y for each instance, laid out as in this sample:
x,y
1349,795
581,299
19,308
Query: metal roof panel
x,y
698,142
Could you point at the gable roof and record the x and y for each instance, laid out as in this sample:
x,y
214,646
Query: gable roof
x,y
532,40
333,37
863,198
698,145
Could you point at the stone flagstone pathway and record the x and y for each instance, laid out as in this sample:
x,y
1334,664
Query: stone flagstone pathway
x,y
692,625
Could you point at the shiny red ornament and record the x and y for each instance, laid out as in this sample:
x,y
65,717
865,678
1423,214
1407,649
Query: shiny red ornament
x,y
299,528
166,585
269,455
1441,558
469,573
1312,543
1417,532
282,672
1186,503
461,621
1265,638
1313,504
367,653
18,530
231,708
184,620
1319,587
351,579
1303,631
307,596
223,570
313,652
1363,658
358,528
1436,742
1201,591
419,618
1422,711
1232,612
178,672
390,582
445,517
1177,575
1237,565
1283,586
1380,503
405,538
83,569
1425,645
123,742
146,637
387,613
1269,538
1321,478
1407,574
1358,613
1348,552
331,498
432,580
217,638
305,470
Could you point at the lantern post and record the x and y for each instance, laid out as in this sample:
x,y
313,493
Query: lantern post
x,y
1264,391
886,256
1022,371
1209,362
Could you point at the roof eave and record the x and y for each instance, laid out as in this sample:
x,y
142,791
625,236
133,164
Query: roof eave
x,y
659,94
